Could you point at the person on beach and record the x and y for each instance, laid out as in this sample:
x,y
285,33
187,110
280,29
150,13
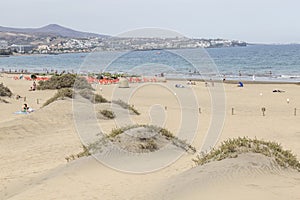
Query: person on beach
x,y
25,108
18,97
33,86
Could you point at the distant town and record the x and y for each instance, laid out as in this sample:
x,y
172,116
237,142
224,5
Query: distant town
x,y
54,39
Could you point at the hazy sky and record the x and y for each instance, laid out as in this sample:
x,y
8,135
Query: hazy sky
x,y
263,21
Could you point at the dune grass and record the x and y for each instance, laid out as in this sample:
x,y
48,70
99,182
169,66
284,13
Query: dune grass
x,y
126,106
90,95
107,114
231,148
148,144
61,94
164,132
3,101
5,91
68,92
84,152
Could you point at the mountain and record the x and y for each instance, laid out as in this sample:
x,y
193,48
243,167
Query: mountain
x,y
52,29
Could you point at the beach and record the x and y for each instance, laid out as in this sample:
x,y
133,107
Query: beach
x,y
34,146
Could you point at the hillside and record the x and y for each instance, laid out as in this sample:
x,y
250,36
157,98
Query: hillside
x,y
50,30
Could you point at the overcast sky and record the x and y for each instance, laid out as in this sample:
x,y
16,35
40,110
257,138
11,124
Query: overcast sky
x,y
261,21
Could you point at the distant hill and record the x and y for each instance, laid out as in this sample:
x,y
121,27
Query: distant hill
x,y
52,29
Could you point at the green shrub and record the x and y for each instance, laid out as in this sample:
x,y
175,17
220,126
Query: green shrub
x,y
5,91
108,114
64,81
61,94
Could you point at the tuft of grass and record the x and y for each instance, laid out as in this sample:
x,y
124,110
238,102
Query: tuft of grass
x,y
166,133
108,114
3,101
149,145
117,131
231,148
5,91
94,98
85,152
61,94
99,99
126,106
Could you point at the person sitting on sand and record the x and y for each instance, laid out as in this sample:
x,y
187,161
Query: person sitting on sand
x,y
25,108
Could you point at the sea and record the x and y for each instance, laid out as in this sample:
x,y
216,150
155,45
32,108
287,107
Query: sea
x,y
253,62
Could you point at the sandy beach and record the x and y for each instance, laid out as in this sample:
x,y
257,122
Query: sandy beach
x,y
33,147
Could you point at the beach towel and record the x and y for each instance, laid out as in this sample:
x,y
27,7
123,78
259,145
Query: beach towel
x,y
30,110
21,112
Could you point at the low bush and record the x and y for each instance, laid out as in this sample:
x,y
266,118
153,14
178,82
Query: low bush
x,y
5,91
94,98
107,114
233,147
61,94
64,81
126,106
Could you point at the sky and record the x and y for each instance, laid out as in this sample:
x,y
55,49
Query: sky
x,y
254,21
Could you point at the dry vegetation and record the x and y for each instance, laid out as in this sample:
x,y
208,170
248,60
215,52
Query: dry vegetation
x,y
233,147
136,144
85,152
126,106
90,95
5,91
150,143
107,114
61,94
64,81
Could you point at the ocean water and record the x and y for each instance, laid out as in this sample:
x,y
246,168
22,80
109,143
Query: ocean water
x,y
259,62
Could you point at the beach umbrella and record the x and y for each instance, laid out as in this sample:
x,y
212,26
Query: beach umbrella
x,y
33,76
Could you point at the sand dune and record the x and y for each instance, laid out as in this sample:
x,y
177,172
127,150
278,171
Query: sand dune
x,y
249,176
33,147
